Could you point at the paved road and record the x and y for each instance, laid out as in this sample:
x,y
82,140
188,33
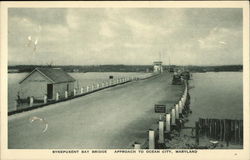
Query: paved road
x,y
109,119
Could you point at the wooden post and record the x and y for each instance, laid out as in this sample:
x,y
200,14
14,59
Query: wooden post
x,y
168,122
151,139
160,117
214,128
57,96
182,100
93,87
210,128
161,132
241,135
97,86
173,117
45,99
137,146
217,129
231,130
224,129
235,131
221,130
74,92
180,107
197,130
201,126
177,111
66,94
87,89
31,101
206,127
227,131
81,90
185,94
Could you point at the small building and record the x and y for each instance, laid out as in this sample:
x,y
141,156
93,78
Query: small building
x,y
158,67
46,81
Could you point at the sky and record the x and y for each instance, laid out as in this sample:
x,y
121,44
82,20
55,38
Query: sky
x,y
130,36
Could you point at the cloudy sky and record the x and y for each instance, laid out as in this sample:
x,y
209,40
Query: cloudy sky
x,y
124,36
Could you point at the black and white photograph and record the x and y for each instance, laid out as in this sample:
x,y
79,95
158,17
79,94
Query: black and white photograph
x,y
125,78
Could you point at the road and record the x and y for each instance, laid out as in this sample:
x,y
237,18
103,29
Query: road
x,y
113,118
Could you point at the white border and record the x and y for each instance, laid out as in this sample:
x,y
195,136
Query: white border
x,y
47,154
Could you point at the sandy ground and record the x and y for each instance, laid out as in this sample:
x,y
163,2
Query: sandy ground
x,y
110,119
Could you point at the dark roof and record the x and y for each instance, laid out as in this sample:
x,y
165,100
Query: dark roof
x,y
158,62
55,75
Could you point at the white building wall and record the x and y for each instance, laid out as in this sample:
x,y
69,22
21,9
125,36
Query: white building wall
x,y
35,85
61,88
158,68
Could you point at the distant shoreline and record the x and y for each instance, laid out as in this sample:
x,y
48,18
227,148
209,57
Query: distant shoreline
x,y
125,68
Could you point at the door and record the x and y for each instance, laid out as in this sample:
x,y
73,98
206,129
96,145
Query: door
x,y
50,91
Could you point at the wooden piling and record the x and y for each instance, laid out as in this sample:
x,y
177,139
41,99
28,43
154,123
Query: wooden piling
x,y
206,127
31,101
81,90
151,139
45,99
173,117
180,107
235,131
57,96
87,89
197,129
74,91
227,129
183,102
160,117
161,132
241,135
66,94
224,129
201,126
215,129
232,131
177,111
137,146
168,122
210,128
221,130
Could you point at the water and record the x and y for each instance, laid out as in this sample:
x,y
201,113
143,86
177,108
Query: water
x,y
13,87
216,95
83,80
